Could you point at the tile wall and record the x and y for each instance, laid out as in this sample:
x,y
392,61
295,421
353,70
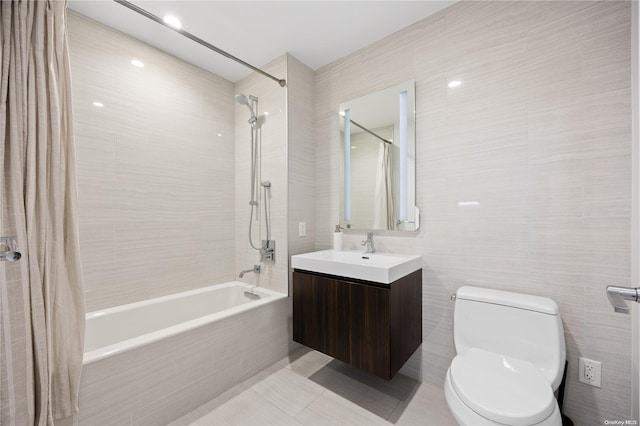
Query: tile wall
x,y
155,169
272,106
301,163
539,133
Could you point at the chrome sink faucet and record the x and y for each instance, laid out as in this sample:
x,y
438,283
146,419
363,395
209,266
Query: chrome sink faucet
x,y
368,243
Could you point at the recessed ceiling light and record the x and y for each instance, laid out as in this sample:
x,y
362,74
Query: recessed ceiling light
x,y
172,21
137,63
353,147
220,134
454,83
468,203
98,104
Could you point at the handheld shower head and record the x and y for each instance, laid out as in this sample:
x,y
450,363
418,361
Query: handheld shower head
x,y
242,100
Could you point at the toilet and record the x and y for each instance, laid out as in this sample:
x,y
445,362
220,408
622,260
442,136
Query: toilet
x,y
510,359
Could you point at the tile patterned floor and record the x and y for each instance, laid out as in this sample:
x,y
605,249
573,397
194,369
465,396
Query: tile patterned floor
x,y
310,388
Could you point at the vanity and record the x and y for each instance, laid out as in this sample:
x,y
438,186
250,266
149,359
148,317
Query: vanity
x,y
364,309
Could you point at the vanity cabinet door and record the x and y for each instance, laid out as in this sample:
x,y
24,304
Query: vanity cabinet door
x,y
348,321
369,329
321,314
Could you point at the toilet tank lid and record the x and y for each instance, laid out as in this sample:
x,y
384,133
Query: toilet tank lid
x,y
506,298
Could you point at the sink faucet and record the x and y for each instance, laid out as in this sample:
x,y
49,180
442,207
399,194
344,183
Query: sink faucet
x,y
368,243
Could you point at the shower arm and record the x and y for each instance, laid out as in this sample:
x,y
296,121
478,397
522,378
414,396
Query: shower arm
x,y
143,12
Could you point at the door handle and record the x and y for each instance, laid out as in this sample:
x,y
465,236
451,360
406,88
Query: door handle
x,y
8,250
618,295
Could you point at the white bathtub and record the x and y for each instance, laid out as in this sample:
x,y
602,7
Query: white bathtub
x,y
123,328
151,362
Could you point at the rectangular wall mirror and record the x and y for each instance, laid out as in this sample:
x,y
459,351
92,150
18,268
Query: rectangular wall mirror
x,y
378,188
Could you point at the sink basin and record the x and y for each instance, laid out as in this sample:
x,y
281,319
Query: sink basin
x,y
382,268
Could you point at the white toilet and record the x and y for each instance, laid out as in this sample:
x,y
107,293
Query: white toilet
x,y
510,359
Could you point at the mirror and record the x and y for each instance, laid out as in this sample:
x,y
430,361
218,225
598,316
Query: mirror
x,y
378,188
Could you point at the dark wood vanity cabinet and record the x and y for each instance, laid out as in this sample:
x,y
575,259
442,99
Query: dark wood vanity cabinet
x,y
374,327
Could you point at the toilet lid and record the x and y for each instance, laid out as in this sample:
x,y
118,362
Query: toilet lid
x,y
502,389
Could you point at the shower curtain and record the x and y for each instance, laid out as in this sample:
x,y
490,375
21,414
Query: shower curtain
x,y
41,296
383,211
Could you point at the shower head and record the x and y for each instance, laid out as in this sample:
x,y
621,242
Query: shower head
x,y
242,100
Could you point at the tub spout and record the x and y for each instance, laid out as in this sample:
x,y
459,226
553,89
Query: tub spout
x,y
256,269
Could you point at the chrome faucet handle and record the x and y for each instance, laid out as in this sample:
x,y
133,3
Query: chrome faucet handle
x,y
369,238
368,243
268,251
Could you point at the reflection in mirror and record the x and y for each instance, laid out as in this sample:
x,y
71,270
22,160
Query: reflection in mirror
x,y
378,174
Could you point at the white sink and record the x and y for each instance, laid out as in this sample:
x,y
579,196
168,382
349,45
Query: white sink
x,y
382,268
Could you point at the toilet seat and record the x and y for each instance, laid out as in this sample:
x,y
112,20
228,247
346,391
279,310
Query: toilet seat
x,y
501,389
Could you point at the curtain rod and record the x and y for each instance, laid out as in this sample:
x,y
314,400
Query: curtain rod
x,y
281,82
370,132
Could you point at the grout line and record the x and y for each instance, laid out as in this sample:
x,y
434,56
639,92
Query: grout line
x,y
283,412
310,402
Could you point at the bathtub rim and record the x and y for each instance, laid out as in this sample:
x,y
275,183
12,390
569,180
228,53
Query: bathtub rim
x,y
145,339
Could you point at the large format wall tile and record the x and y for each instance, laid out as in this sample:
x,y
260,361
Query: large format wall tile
x,y
539,133
301,149
155,169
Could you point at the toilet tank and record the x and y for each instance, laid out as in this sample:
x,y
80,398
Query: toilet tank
x,y
517,325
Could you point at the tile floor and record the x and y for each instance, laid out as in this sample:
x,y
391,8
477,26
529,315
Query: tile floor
x,y
310,388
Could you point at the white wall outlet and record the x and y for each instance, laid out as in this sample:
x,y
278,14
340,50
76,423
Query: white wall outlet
x,y
302,229
589,371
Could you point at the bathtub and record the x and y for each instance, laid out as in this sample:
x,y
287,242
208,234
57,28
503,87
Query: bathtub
x,y
122,328
153,361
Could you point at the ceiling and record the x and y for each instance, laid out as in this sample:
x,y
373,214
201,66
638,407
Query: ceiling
x,y
315,32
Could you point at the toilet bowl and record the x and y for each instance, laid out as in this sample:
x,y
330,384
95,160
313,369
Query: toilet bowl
x,y
510,356
487,389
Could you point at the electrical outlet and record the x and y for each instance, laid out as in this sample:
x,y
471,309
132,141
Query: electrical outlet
x,y
302,229
589,371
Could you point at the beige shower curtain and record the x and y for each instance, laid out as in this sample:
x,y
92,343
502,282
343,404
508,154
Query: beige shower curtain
x,y
383,204
41,296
